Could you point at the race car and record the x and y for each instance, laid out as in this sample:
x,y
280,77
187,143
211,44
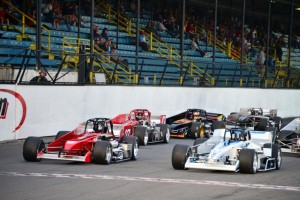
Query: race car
x,y
195,123
289,137
232,149
92,141
249,117
140,123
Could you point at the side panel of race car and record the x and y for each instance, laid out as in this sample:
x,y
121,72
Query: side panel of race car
x,y
215,116
170,120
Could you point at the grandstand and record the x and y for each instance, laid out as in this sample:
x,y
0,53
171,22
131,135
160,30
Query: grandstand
x,y
169,61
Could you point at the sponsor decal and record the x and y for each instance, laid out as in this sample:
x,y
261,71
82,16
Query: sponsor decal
x,y
4,106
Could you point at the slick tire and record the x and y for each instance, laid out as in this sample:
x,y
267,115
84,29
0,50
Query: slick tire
x,y
31,147
165,130
142,135
102,152
60,134
179,156
248,161
135,145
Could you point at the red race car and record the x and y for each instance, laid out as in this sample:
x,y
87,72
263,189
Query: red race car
x,y
92,141
140,123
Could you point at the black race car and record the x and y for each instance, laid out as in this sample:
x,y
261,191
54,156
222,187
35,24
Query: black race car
x,y
195,123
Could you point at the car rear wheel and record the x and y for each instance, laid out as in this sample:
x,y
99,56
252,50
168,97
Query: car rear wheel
x,y
102,152
60,134
276,154
179,156
197,130
142,135
248,161
31,147
135,145
165,130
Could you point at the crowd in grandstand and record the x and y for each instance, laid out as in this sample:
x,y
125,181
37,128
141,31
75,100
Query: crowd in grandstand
x,y
165,19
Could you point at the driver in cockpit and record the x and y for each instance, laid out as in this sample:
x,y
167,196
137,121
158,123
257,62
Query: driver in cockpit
x,y
139,116
196,116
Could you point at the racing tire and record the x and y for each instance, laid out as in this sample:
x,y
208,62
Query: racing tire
x,y
31,147
274,131
199,141
248,161
197,130
142,135
217,125
135,145
276,154
165,130
60,134
278,122
179,156
102,152
262,124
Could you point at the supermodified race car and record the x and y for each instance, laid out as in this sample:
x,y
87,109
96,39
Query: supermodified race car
x,y
92,141
195,123
230,150
249,117
140,123
289,137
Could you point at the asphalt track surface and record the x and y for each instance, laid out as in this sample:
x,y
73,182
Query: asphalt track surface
x,y
149,177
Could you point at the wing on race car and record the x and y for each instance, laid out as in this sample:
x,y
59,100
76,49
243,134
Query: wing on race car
x,y
292,126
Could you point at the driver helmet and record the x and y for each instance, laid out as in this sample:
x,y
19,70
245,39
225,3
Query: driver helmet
x,y
139,116
196,115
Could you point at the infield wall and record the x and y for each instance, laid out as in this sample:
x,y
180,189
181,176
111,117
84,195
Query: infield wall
x,y
49,109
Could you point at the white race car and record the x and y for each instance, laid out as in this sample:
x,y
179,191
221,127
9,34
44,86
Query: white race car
x,y
235,149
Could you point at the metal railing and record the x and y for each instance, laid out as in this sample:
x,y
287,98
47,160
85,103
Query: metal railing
x,y
151,71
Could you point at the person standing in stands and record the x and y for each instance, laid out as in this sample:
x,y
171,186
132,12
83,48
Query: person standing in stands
x,y
260,62
143,41
41,78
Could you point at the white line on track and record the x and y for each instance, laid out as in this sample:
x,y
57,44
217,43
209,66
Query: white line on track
x,y
156,180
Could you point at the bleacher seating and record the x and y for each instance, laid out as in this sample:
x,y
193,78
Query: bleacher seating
x,y
160,62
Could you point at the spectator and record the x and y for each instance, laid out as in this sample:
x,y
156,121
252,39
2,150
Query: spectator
x,y
108,47
104,33
3,17
48,12
161,27
99,44
194,46
279,51
96,32
41,78
59,19
143,41
271,63
260,62
190,31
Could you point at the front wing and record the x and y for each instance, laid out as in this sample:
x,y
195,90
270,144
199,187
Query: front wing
x,y
190,164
